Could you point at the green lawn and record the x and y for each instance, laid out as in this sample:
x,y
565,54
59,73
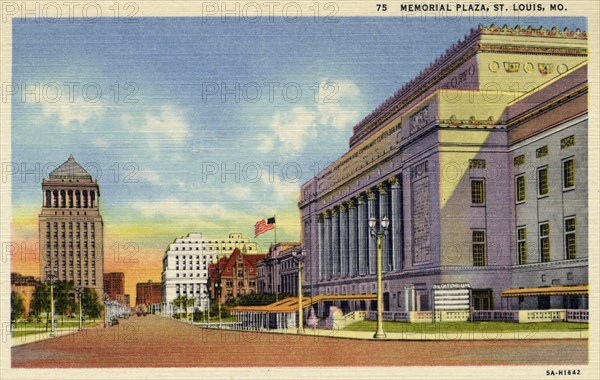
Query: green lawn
x,y
23,328
468,327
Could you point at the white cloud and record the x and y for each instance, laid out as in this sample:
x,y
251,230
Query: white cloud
x,y
72,113
266,144
293,130
240,192
100,142
175,208
281,189
168,123
336,110
339,110
150,176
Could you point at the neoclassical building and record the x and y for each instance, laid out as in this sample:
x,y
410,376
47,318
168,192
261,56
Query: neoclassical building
x,y
186,261
71,227
278,272
480,164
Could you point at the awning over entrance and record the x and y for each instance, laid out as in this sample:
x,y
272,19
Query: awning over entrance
x,y
547,291
291,304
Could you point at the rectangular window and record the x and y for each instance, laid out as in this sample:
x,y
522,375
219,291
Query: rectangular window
x,y
522,245
520,188
570,238
479,258
543,181
568,174
478,192
519,160
545,242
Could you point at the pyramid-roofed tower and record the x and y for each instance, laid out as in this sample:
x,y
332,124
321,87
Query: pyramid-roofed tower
x,y
71,227
70,169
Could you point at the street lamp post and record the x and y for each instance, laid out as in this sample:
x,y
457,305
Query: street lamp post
x,y
217,286
80,294
51,274
204,304
385,222
299,256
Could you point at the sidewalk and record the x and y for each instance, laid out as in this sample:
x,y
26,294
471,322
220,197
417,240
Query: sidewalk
x,y
439,335
422,332
43,335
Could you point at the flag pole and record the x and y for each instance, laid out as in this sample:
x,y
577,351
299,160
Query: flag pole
x,y
275,217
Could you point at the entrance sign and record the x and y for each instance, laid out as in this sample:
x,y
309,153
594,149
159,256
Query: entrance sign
x,y
450,297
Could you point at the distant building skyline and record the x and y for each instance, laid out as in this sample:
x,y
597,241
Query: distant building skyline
x,y
114,285
186,262
148,293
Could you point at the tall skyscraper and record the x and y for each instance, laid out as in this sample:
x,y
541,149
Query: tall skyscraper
x,y
71,227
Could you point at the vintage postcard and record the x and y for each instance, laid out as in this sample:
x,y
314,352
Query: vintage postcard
x,y
299,189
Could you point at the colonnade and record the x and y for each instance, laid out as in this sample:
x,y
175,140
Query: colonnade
x,y
70,198
346,248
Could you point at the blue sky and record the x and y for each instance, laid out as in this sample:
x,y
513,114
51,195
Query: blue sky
x,y
177,127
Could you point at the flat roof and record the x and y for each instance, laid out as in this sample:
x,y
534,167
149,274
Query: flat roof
x,y
550,290
290,304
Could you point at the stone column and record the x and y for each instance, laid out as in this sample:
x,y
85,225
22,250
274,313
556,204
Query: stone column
x,y
362,235
321,247
396,224
372,239
335,243
352,246
343,241
327,245
383,211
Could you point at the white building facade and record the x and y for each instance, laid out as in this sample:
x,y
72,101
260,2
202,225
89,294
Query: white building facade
x,y
185,266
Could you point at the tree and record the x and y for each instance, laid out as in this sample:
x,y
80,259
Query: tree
x,y
179,303
63,301
16,306
40,301
188,302
91,304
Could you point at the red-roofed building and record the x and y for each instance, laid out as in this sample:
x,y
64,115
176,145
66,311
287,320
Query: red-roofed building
x,y
235,276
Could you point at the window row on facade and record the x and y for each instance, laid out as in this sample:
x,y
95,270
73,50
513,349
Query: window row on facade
x,y
543,180
569,239
209,248
479,247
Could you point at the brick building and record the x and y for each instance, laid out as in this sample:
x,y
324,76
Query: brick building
x,y
148,293
235,275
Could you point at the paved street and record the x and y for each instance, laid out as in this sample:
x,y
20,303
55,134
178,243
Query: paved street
x,y
154,341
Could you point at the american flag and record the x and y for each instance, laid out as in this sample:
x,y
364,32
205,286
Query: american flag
x,y
263,226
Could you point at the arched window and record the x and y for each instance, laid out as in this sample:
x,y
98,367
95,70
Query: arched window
x,y
84,195
92,198
55,198
48,198
77,199
70,198
63,200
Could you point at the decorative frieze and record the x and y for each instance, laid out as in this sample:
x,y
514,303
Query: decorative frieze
x,y
419,119
567,142
476,164
541,152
